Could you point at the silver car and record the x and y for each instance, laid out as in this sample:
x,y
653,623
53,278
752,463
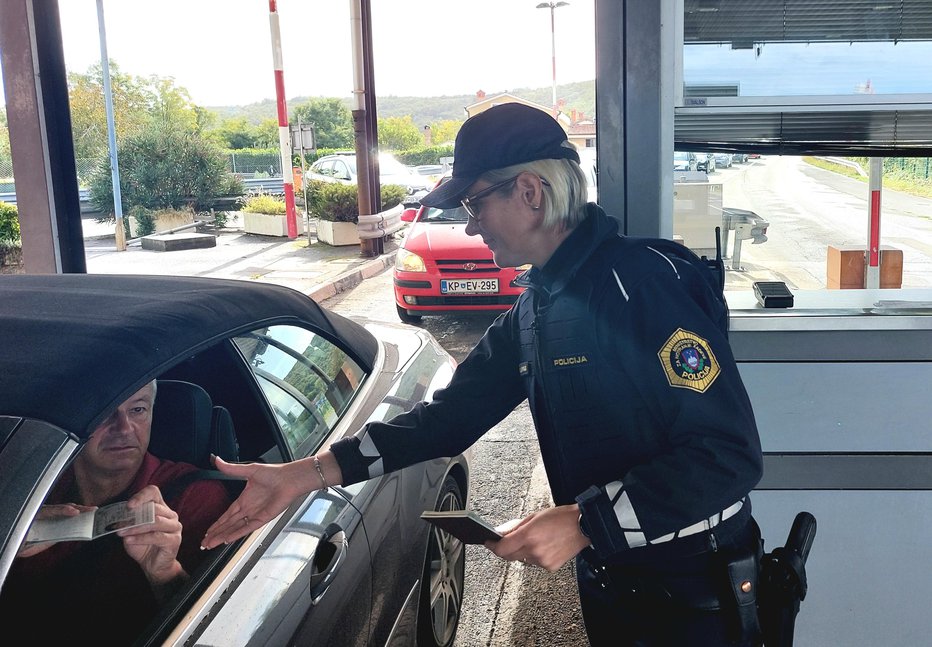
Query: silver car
x,y
277,378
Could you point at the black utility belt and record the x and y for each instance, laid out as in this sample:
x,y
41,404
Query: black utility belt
x,y
661,553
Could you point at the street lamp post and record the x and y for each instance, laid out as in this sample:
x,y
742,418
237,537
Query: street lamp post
x,y
553,43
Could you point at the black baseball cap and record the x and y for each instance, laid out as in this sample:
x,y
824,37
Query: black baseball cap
x,y
503,135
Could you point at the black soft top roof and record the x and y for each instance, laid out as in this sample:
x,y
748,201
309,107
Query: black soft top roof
x,y
73,346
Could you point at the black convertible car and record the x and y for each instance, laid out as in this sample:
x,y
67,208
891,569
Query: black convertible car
x,y
273,378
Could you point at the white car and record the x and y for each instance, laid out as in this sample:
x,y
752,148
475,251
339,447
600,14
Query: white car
x,y
587,160
341,167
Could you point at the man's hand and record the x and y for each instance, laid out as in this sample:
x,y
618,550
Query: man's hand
x,y
53,511
547,538
155,546
269,490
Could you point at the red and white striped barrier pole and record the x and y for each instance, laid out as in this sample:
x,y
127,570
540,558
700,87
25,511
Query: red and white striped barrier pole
x,y
872,266
284,135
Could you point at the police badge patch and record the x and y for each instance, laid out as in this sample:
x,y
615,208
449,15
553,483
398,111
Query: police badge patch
x,y
688,361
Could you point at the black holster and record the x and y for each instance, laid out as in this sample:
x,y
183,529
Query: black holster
x,y
742,570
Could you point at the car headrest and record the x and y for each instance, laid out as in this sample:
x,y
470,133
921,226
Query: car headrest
x,y
181,423
223,441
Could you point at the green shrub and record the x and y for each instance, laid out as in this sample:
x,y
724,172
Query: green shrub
x,y
163,168
221,218
145,221
9,223
263,203
338,202
392,195
425,155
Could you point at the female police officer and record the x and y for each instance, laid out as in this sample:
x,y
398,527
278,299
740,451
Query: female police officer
x,y
620,346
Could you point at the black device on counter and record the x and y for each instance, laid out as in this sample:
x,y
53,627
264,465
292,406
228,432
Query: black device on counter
x,y
773,294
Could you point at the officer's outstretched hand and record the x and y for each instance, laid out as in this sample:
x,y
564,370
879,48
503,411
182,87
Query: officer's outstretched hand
x,y
269,490
548,538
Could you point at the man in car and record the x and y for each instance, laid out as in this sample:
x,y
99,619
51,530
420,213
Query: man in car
x,y
620,346
106,590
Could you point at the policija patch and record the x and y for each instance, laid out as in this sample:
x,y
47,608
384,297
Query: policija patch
x,y
688,361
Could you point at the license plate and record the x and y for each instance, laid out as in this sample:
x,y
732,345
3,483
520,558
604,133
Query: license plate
x,y
468,286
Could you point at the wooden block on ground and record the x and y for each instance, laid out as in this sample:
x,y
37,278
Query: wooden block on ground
x,y
177,242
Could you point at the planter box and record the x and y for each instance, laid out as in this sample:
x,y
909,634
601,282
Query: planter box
x,y
163,222
268,224
337,233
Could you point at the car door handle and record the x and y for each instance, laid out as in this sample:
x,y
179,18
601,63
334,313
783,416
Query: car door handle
x,y
329,556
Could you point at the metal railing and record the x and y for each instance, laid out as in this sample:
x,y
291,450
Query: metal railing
x,y
382,224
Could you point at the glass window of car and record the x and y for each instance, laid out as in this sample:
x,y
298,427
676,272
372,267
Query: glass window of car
x,y
433,214
391,166
341,169
323,167
308,381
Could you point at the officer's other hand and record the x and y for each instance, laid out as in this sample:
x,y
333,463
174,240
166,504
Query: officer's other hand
x,y
548,538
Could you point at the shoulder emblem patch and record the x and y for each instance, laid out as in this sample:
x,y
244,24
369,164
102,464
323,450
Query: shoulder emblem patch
x,y
688,361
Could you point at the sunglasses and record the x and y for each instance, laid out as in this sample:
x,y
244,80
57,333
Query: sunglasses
x,y
470,203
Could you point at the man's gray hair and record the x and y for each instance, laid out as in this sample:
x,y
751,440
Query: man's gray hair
x,y
564,202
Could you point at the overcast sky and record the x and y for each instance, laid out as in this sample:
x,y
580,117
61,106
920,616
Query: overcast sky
x,y
220,50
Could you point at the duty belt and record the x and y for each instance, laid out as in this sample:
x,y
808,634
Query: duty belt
x,y
703,525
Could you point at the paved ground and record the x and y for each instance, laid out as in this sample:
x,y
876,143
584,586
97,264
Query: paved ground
x,y
314,268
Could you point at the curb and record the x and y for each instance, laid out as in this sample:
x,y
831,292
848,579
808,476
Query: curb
x,y
349,280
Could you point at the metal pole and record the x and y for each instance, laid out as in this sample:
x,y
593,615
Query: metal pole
x,y
284,135
307,220
553,48
119,232
553,57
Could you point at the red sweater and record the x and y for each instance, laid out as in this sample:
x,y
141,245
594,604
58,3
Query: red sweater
x,y
97,591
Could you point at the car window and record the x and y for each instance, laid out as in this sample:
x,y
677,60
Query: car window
x,y
341,170
324,167
308,381
445,215
388,164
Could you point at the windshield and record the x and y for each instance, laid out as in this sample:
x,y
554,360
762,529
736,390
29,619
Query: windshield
x,y
434,214
680,156
388,164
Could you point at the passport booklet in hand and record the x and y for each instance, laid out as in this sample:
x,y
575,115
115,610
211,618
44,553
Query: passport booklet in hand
x,y
465,525
91,524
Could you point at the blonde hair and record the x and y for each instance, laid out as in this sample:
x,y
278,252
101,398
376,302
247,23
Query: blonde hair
x,y
564,201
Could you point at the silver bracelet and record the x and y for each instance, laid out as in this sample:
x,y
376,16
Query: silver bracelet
x,y
320,472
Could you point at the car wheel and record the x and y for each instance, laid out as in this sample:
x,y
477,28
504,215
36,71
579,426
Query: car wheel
x,y
442,584
405,317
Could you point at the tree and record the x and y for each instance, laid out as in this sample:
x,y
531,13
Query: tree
x,y
399,133
333,123
234,133
444,132
137,102
88,112
205,119
266,134
171,104
163,167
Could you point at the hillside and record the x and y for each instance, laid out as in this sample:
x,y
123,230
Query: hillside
x,y
426,110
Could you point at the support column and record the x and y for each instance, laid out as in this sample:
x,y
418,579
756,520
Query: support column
x,y
635,48
39,119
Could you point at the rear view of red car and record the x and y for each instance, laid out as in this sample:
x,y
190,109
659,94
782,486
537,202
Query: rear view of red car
x,y
441,270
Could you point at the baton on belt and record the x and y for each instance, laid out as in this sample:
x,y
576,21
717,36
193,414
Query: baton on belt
x,y
783,583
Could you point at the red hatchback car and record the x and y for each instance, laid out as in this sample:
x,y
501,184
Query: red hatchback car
x,y
441,270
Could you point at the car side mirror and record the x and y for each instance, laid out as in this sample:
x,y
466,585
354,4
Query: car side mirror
x,y
409,214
